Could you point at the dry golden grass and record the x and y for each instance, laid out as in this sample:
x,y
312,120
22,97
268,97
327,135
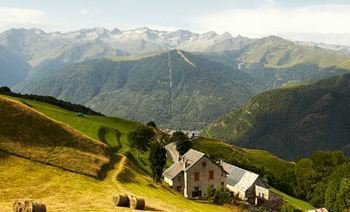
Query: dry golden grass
x,y
66,191
30,134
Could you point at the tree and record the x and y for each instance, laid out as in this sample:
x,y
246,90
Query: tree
x,y
141,139
306,178
152,124
331,194
5,89
342,202
157,157
183,143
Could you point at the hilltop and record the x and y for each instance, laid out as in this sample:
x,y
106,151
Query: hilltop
x,y
27,133
291,122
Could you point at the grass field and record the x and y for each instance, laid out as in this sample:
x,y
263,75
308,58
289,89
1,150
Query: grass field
x,y
66,191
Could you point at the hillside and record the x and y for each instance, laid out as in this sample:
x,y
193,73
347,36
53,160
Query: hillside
x,y
67,191
292,122
29,134
175,89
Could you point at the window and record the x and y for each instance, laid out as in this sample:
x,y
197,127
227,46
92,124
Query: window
x,y
211,174
179,188
204,164
179,178
222,184
196,176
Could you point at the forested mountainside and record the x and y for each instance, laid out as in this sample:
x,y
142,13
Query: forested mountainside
x,y
292,122
175,89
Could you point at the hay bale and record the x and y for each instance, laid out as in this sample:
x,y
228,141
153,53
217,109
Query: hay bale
x,y
137,203
19,206
28,206
121,200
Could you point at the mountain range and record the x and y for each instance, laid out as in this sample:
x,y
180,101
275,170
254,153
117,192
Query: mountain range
x,y
292,122
179,79
42,50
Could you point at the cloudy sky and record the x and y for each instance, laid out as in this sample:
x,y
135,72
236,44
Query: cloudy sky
x,y
253,18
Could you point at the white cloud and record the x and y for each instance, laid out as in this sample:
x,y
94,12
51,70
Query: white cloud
x,y
18,17
90,11
271,20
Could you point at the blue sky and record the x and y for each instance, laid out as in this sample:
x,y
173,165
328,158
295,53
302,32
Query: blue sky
x,y
251,18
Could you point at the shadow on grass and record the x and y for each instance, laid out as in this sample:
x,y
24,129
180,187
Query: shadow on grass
x,y
151,185
137,163
148,208
3,155
102,131
119,145
127,176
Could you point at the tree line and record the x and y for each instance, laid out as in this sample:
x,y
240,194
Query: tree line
x,y
51,100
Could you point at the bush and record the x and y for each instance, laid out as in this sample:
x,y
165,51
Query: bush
x,y
211,191
221,196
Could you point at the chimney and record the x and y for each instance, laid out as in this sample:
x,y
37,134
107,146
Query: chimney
x,y
185,163
178,157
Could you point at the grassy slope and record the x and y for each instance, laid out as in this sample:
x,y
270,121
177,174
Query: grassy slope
x,y
240,156
56,144
296,203
64,191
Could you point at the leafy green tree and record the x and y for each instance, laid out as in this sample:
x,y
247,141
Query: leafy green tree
x,y
141,139
331,195
157,157
183,143
305,176
5,89
152,124
343,195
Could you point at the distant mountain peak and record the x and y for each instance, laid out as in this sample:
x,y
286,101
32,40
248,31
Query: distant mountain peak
x,y
226,35
209,34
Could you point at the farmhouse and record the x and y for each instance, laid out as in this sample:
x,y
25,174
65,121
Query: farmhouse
x,y
248,186
240,181
193,173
